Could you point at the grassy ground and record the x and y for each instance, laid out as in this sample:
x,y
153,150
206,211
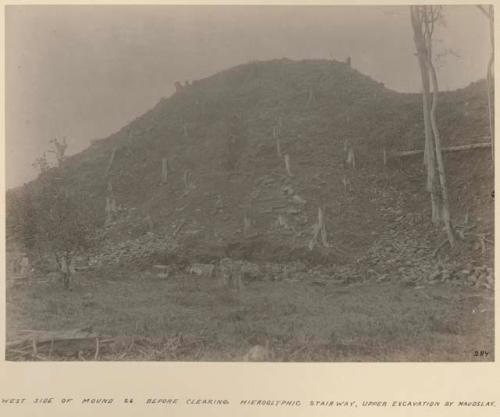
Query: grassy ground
x,y
191,318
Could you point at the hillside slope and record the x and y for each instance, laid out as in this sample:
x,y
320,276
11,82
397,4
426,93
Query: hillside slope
x,y
219,132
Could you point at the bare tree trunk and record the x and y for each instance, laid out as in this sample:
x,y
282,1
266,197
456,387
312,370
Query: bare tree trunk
x,y
164,170
489,13
110,162
66,279
423,20
246,226
110,204
188,181
64,265
310,98
276,136
445,209
351,158
491,103
108,210
319,229
491,83
429,152
321,222
347,183
287,165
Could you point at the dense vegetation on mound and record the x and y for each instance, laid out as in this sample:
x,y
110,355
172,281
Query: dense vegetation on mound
x,y
219,132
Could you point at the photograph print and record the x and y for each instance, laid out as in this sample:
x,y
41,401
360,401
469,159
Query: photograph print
x,y
249,183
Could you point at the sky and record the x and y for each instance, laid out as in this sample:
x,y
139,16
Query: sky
x,y
83,72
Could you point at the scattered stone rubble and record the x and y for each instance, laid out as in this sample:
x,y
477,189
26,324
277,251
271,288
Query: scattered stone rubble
x,y
252,271
404,258
133,250
397,256
473,276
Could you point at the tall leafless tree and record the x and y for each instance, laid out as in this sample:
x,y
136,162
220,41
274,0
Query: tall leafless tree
x,y
488,12
424,20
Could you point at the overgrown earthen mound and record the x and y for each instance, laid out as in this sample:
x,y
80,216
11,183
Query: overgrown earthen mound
x,y
228,192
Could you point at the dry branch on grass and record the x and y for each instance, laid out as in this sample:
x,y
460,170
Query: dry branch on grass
x,y
439,247
42,336
40,344
109,348
178,229
473,146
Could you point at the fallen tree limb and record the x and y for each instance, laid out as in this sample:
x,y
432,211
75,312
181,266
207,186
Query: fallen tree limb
x,y
441,245
35,338
448,149
178,229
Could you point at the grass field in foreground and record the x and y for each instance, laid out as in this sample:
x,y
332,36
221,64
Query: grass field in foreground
x,y
192,318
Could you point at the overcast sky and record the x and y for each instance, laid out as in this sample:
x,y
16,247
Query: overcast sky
x,y
85,71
